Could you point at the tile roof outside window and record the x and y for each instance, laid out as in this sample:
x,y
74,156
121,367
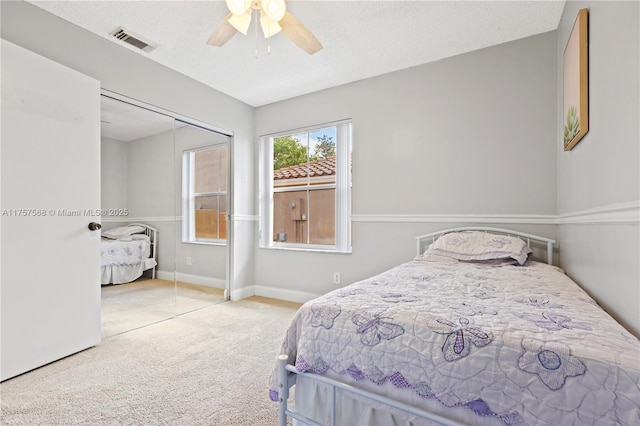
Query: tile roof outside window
x,y
324,167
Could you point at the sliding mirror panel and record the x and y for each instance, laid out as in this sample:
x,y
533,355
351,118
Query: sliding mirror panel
x,y
202,249
138,206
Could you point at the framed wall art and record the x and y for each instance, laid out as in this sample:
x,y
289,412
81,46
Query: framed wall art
x,y
576,82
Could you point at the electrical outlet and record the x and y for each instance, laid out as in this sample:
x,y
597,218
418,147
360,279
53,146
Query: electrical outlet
x,y
336,278
188,260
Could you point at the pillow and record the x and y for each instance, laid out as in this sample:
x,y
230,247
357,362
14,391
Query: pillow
x,y
140,237
477,245
123,231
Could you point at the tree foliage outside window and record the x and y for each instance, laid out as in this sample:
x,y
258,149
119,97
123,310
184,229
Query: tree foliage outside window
x,y
325,147
289,151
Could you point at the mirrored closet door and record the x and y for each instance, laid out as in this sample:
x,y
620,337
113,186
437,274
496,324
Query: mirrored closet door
x,y
201,253
150,273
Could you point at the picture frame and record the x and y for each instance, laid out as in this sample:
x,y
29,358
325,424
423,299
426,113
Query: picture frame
x,y
576,82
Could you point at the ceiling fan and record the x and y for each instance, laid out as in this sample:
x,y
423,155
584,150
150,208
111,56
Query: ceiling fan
x,y
273,19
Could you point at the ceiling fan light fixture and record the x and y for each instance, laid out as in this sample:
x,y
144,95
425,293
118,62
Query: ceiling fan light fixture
x,y
238,7
274,9
241,22
269,27
274,18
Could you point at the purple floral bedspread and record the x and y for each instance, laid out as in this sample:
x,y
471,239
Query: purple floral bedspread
x,y
523,344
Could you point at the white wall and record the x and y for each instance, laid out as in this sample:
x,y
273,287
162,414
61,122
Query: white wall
x,y
599,180
469,135
154,84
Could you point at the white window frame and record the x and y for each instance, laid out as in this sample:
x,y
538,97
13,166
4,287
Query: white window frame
x,y
188,196
343,184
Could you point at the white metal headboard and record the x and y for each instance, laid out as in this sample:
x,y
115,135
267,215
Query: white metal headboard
x,y
152,233
430,238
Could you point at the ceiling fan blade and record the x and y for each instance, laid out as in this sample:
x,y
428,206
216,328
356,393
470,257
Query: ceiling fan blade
x,y
299,34
223,33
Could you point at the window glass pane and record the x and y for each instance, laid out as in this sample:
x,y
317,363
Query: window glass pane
x,y
305,160
207,171
210,217
306,198
322,144
289,216
322,216
289,152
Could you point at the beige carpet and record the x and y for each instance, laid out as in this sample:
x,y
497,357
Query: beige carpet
x,y
145,301
207,367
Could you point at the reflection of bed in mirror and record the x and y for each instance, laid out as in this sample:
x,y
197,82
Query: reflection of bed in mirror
x,y
126,252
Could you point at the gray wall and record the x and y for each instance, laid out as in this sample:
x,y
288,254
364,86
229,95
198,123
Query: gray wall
x,y
151,194
114,173
469,135
151,83
151,176
599,180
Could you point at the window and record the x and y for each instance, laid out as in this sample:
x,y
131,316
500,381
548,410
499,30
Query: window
x,y
205,195
305,189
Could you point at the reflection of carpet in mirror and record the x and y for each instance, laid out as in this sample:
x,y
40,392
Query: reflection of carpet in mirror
x,y
194,296
145,301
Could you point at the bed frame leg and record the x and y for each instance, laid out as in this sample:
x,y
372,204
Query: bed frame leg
x,y
333,406
283,389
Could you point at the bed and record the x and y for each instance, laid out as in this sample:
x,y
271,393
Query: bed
x,y
472,331
126,252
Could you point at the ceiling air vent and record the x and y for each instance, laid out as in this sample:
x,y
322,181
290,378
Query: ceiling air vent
x,y
133,39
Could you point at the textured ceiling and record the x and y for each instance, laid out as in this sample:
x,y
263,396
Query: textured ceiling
x,y
361,38
125,122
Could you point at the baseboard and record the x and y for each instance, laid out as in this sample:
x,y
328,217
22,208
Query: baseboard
x,y
284,294
165,275
273,293
193,279
243,293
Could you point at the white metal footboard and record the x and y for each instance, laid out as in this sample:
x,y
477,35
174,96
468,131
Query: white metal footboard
x,y
152,233
287,374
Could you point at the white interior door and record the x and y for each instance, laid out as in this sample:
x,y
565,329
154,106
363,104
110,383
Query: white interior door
x,y
50,272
